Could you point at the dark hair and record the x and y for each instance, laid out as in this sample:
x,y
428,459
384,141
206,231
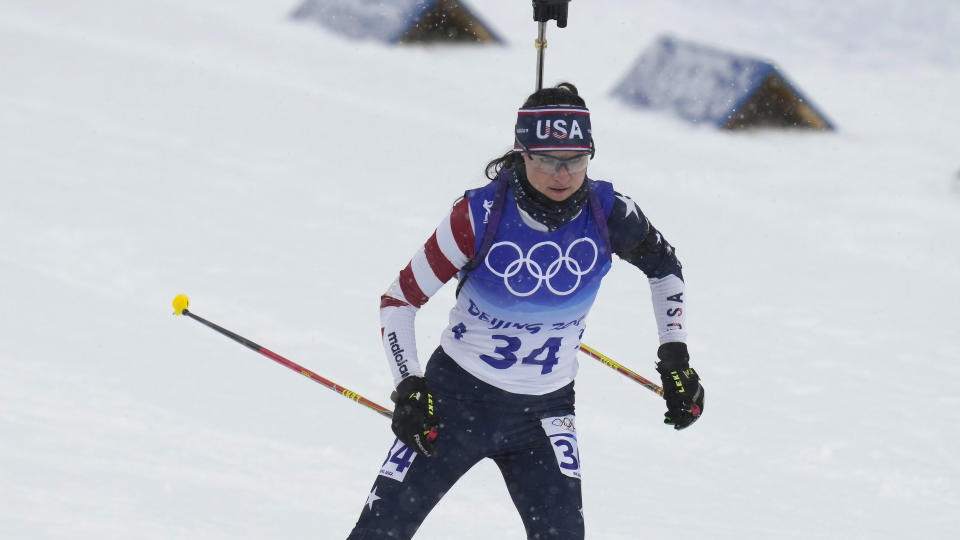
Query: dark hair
x,y
562,94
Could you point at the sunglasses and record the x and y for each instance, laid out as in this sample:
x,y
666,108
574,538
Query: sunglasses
x,y
551,165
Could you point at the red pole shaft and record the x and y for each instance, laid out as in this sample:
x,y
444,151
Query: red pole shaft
x,y
292,365
593,353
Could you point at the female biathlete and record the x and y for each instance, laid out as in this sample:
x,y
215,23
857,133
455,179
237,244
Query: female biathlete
x,y
529,250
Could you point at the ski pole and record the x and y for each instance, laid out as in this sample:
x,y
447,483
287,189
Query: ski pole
x,y
180,304
541,45
543,11
593,353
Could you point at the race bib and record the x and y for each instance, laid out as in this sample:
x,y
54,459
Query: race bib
x,y
562,432
398,462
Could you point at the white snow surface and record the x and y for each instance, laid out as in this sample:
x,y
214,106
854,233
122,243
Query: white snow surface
x,y
280,175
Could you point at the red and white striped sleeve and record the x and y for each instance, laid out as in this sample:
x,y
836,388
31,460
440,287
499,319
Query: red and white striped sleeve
x,y
448,249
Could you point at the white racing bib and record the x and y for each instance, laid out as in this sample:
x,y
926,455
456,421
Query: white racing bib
x,y
562,432
398,462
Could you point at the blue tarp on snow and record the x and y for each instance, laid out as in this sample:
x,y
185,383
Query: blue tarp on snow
x,y
381,20
706,85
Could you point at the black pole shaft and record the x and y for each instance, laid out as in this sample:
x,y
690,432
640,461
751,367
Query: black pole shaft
x,y
236,337
540,44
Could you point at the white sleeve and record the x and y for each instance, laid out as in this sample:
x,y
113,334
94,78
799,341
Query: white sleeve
x,y
667,295
447,250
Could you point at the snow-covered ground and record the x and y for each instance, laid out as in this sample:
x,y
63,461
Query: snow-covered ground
x,y
280,175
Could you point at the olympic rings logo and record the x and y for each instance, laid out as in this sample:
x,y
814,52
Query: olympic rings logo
x,y
526,261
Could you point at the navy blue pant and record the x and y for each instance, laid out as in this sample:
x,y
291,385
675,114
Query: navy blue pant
x,y
532,440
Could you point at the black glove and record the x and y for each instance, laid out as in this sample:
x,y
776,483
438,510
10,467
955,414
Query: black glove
x,y
681,385
414,418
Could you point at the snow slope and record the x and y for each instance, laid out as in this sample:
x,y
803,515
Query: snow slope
x,y
280,175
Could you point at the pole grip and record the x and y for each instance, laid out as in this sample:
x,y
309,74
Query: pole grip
x,y
547,10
